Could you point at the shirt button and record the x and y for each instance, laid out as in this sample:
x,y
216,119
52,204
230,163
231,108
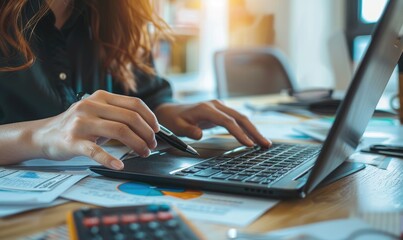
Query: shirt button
x,y
62,76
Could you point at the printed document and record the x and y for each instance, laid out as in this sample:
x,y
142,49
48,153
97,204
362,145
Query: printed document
x,y
11,179
195,204
18,198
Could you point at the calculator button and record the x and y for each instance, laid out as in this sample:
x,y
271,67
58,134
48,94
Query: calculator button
x,y
134,227
153,208
163,216
91,221
128,218
97,237
119,236
94,230
153,225
172,223
115,228
160,234
165,207
140,235
109,220
147,217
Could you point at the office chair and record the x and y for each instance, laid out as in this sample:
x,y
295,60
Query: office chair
x,y
255,71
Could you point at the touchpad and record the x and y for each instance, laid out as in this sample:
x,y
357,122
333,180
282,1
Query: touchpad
x,y
171,159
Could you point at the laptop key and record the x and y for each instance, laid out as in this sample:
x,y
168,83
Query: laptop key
x,y
201,167
259,168
181,174
256,179
219,168
238,178
222,176
236,169
267,181
207,173
261,175
191,170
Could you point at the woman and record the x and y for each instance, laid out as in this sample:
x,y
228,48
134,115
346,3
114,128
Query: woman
x,y
52,49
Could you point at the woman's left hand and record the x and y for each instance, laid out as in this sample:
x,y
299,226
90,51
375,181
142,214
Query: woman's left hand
x,y
189,120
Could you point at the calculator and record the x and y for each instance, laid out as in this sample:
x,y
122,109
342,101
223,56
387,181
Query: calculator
x,y
152,221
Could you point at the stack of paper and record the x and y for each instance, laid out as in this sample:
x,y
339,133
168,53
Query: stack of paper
x,y
25,190
38,183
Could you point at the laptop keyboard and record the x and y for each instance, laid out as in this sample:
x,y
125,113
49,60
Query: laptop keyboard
x,y
260,166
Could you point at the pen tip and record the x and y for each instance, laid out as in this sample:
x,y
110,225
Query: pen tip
x,y
192,150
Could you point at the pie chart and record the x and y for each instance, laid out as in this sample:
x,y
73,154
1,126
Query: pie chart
x,y
143,189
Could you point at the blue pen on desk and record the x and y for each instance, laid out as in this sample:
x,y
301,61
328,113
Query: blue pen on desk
x,y
164,133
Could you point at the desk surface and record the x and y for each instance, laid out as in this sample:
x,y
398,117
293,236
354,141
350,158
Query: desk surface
x,y
371,189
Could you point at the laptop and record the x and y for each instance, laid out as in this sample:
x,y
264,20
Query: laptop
x,y
284,170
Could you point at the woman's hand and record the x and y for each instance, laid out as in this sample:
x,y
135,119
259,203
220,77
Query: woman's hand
x,y
102,115
189,120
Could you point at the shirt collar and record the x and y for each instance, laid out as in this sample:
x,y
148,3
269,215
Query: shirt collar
x,y
33,6
79,7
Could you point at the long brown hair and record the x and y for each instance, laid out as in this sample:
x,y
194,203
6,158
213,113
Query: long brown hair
x,y
119,27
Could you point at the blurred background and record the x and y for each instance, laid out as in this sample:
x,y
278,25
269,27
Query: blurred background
x,y
322,40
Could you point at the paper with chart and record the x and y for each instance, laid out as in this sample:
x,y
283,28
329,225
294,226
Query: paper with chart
x,y
11,179
194,204
24,198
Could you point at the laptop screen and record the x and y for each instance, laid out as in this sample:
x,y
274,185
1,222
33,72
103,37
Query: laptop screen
x,y
363,94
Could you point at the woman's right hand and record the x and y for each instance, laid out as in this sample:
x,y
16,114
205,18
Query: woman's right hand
x,y
102,115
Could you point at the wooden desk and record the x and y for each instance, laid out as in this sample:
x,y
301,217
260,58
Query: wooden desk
x,y
372,189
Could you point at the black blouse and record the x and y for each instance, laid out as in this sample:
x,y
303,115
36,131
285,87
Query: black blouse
x,y
66,64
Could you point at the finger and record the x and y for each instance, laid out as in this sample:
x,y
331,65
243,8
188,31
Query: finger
x,y
246,124
130,118
120,132
188,130
130,103
93,151
218,117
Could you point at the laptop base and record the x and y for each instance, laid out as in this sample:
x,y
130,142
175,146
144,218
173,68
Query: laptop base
x,y
344,170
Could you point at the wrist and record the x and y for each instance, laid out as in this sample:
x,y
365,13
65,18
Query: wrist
x,y
35,138
19,142
159,111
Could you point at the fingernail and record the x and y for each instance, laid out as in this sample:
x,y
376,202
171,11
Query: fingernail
x,y
269,143
250,142
198,134
118,165
147,153
154,145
